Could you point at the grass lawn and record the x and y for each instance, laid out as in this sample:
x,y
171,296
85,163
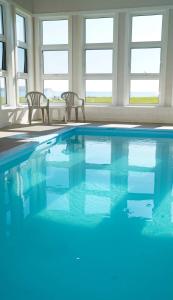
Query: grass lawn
x,y
3,101
22,100
101,100
132,100
98,99
144,100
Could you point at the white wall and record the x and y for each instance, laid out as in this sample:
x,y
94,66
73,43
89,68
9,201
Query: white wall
x,y
53,6
120,114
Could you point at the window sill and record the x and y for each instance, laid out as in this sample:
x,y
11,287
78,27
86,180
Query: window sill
x,y
8,107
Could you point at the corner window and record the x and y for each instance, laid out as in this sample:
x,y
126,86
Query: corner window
x,y
3,59
3,95
21,29
22,90
145,53
1,21
21,58
3,66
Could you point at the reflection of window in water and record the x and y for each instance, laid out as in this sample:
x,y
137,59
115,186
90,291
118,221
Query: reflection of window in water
x,y
98,152
98,179
97,205
142,154
57,202
141,182
57,177
56,153
140,209
172,212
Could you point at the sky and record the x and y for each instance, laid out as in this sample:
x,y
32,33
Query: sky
x,y
20,24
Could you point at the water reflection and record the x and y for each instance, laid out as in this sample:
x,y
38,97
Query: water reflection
x,y
142,154
141,182
140,209
97,205
84,177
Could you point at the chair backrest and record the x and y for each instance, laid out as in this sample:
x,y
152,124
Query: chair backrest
x,y
36,99
70,98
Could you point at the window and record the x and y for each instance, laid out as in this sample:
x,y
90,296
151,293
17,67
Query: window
x,y
21,58
55,58
54,88
22,90
55,32
1,21
55,62
98,61
99,57
3,60
145,59
3,56
99,91
21,28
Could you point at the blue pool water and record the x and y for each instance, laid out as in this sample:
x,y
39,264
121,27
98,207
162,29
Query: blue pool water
x,y
89,216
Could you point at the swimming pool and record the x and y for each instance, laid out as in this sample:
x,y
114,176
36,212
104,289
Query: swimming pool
x,y
88,214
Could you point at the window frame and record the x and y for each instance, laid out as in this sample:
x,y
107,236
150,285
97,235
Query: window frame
x,y
55,47
147,45
101,46
4,40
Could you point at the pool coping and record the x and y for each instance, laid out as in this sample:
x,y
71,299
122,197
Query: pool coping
x,y
35,142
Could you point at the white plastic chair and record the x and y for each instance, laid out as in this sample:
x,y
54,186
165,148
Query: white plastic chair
x,y
37,100
73,101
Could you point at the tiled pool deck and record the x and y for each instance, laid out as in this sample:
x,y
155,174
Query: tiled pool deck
x,y
16,135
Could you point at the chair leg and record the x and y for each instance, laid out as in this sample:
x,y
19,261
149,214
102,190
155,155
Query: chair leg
x,y
69,113
83,112
76,113
42,111
48,118
66,115
30,116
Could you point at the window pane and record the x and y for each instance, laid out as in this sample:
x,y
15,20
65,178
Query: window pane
x,y
2,56
144,92
1,20
99,30
99,91
22,90
145,60
55,62
3,97
54,88
55,32
147,28
20,26
99,61
22,60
